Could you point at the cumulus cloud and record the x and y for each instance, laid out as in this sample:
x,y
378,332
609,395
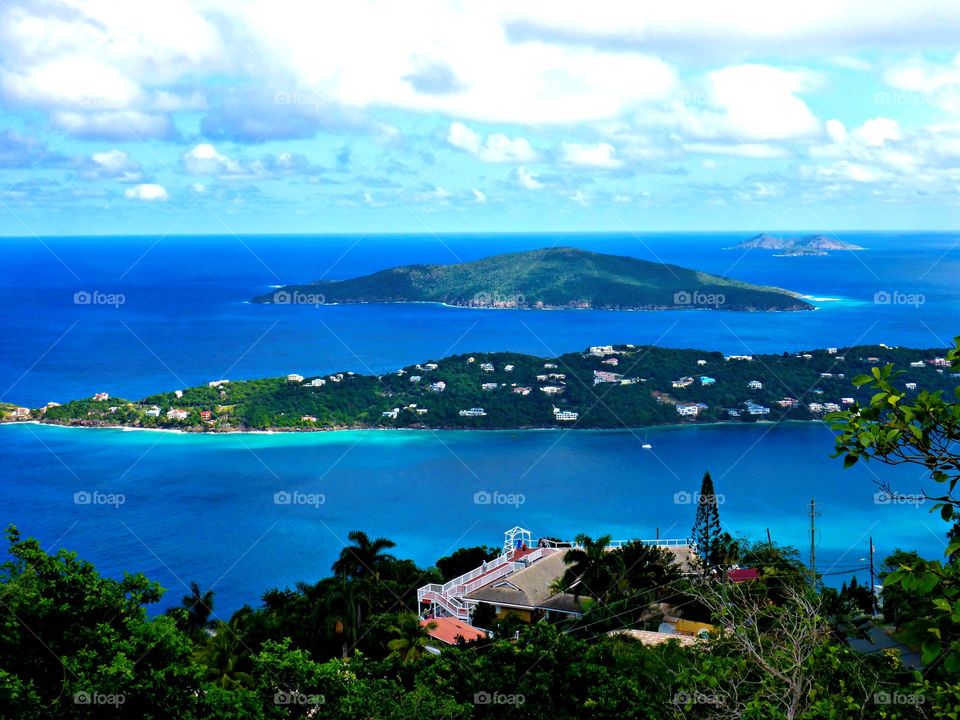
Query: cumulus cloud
x,y
527,179
936,83
96,64
112,165
479,197
600,155
756,103
497,148
147,192
203,159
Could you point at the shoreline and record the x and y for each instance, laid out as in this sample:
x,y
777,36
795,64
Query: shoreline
x,y
362,428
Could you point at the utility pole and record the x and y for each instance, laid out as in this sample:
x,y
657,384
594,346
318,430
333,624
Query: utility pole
x,y
813,544
769,541
873,596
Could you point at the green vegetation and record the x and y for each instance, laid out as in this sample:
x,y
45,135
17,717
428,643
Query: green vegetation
x,y
642,392
923,430
546,278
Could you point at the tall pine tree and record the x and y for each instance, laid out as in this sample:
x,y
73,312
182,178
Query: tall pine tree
x,y
706,531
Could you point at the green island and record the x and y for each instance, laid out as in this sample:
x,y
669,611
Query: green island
x,y
610,386
546,279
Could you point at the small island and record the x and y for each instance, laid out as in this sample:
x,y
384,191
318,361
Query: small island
x,y
546,279
602,387
796,247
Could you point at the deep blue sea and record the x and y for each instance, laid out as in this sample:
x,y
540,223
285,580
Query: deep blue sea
x,y
201,508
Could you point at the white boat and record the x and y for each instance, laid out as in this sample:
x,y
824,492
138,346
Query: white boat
x,y
646,445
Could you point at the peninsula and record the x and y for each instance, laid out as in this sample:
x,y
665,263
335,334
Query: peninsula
x,y
546,279
792,247
607,386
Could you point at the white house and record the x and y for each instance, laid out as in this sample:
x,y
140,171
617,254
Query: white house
x,y
487,367
911,386
175,414
392,414
473,412
316,382
565,415
153,411
755,385
438,386
488,386
293,377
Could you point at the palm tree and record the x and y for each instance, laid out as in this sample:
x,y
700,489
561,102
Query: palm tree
x,y
365,558
223,656
341,614
199,607
411,637
363,562
592,570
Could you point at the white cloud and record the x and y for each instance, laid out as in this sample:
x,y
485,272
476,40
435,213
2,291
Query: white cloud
x,y
836,130
757,103
938,84
68,56
878,131
746,150
597,156
148,192
367,55
203,159
479,196
527,179
114,165
497,148
113,125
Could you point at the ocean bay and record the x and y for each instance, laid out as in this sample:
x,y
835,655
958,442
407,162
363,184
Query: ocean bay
x,y
199,507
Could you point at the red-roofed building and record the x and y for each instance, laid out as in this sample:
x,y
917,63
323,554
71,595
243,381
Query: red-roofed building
x,y
448,629
743,574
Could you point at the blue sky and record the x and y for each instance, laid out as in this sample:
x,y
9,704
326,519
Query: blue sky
x,y
239,117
